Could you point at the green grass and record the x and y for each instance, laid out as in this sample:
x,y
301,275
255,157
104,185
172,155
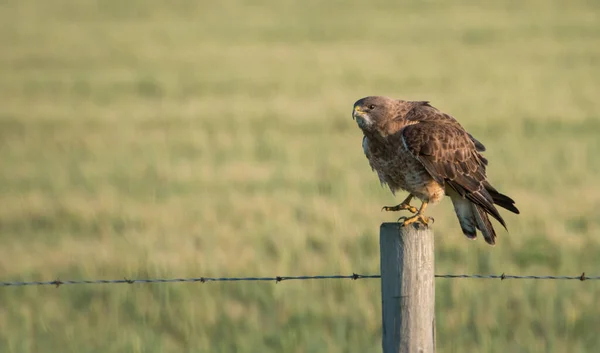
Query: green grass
x,y
144,139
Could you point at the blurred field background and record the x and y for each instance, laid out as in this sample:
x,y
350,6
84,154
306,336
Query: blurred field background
x,y
194,138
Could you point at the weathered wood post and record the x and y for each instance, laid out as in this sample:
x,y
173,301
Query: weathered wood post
x,y
407,288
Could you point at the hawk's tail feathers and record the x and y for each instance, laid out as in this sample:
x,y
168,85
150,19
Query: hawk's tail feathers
x,y
466,217
472,217
484,224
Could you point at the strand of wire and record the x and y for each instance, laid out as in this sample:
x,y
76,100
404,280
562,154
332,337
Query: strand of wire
x,y
277,279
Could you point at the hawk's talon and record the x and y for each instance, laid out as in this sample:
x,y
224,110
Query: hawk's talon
x,y
416,218
400,207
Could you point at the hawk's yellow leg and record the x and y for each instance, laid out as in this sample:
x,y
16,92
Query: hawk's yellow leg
x,y
404,205
419,217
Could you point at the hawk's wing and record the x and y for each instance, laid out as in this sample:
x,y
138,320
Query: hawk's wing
x,y
451,157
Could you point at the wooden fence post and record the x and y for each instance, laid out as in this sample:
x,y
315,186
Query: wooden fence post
x,y
407,288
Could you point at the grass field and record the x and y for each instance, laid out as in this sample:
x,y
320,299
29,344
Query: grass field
x,y
193,138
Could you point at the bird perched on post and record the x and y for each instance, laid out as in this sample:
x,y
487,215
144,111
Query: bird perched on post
x,y
417,148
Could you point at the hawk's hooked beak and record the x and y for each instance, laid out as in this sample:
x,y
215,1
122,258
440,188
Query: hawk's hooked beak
x,y
357,112
362,118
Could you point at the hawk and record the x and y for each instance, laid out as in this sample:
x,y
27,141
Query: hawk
x,y
417,148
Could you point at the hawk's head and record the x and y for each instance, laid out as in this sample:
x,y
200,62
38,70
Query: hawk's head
x,y
374,111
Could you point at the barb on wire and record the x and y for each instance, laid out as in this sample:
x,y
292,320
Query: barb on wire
x,y
277,279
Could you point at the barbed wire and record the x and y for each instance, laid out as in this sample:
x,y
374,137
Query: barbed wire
x,y
277,279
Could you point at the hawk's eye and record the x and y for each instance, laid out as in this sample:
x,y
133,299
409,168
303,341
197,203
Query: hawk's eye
x,y
372,106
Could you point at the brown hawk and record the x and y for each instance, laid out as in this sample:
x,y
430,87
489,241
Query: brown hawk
x,y
417,148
